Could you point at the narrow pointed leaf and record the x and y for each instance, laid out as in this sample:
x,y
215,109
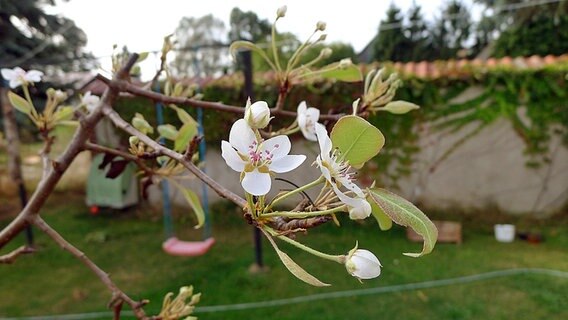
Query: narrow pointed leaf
x,y
20,103
185,134
141,124
357,140
293,267
385,223
350,73
168,131
142,56
193,201
183,115
404,213
247,45
63,114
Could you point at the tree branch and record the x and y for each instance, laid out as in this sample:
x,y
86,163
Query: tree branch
x,y
12,256
139,162
155,96
161,150
118,295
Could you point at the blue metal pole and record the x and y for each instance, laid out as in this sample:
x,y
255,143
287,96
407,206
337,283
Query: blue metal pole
x,y
166,204
204,187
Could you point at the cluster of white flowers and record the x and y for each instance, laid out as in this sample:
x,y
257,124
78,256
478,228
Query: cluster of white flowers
x,y
258,159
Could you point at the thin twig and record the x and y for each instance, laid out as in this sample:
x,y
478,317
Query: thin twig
x,y
12,256
159,149
103,276
127,156
155,96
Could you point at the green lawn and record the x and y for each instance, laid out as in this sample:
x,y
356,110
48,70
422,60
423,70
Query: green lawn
x,y
53,282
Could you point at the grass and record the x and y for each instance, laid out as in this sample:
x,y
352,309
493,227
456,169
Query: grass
x,y
127,244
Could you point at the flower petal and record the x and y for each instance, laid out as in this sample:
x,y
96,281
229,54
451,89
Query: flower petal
x,y
241,136
359,208
279,146
256,183
302,107
323,140
367,265
349,184
232,157
8,74
33,76
287,163
324,170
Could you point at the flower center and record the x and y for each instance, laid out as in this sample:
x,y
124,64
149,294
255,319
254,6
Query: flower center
x,y
258,156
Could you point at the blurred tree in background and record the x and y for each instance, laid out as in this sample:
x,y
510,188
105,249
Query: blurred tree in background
x,y
390,43
200,40
31,38
450,32
522,29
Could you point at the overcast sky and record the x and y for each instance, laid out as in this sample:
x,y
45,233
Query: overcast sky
x,y
141,24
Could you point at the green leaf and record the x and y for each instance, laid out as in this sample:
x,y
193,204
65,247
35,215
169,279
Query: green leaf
x,y
185,134
63,114
349,73
247,45
20,103
293,267
142,56
357,140
404,213
183,115
141,124
168,131
195,204
385,223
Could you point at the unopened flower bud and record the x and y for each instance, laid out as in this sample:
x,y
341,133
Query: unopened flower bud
x,y
362,264
257,115
59,95
281,12
344,63
326,52
400,107
322,37
321,26
133,140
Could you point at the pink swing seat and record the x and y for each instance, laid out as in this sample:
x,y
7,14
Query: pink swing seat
x,y
176,247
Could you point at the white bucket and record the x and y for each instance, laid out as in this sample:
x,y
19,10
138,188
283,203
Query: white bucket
x,y
505,232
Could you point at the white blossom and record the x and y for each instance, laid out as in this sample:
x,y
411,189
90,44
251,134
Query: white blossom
x,y
363,264
281,12
337,173
90,101
307,119
18,76
255,159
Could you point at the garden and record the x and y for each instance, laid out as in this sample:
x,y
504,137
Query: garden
x,y
293,184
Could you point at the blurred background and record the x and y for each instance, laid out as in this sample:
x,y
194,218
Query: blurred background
x,y
487,148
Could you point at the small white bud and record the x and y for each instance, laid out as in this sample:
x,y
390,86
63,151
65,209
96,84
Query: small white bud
x,y
344,63
321,26
281,12
326,52
59,95
363,264
257,115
